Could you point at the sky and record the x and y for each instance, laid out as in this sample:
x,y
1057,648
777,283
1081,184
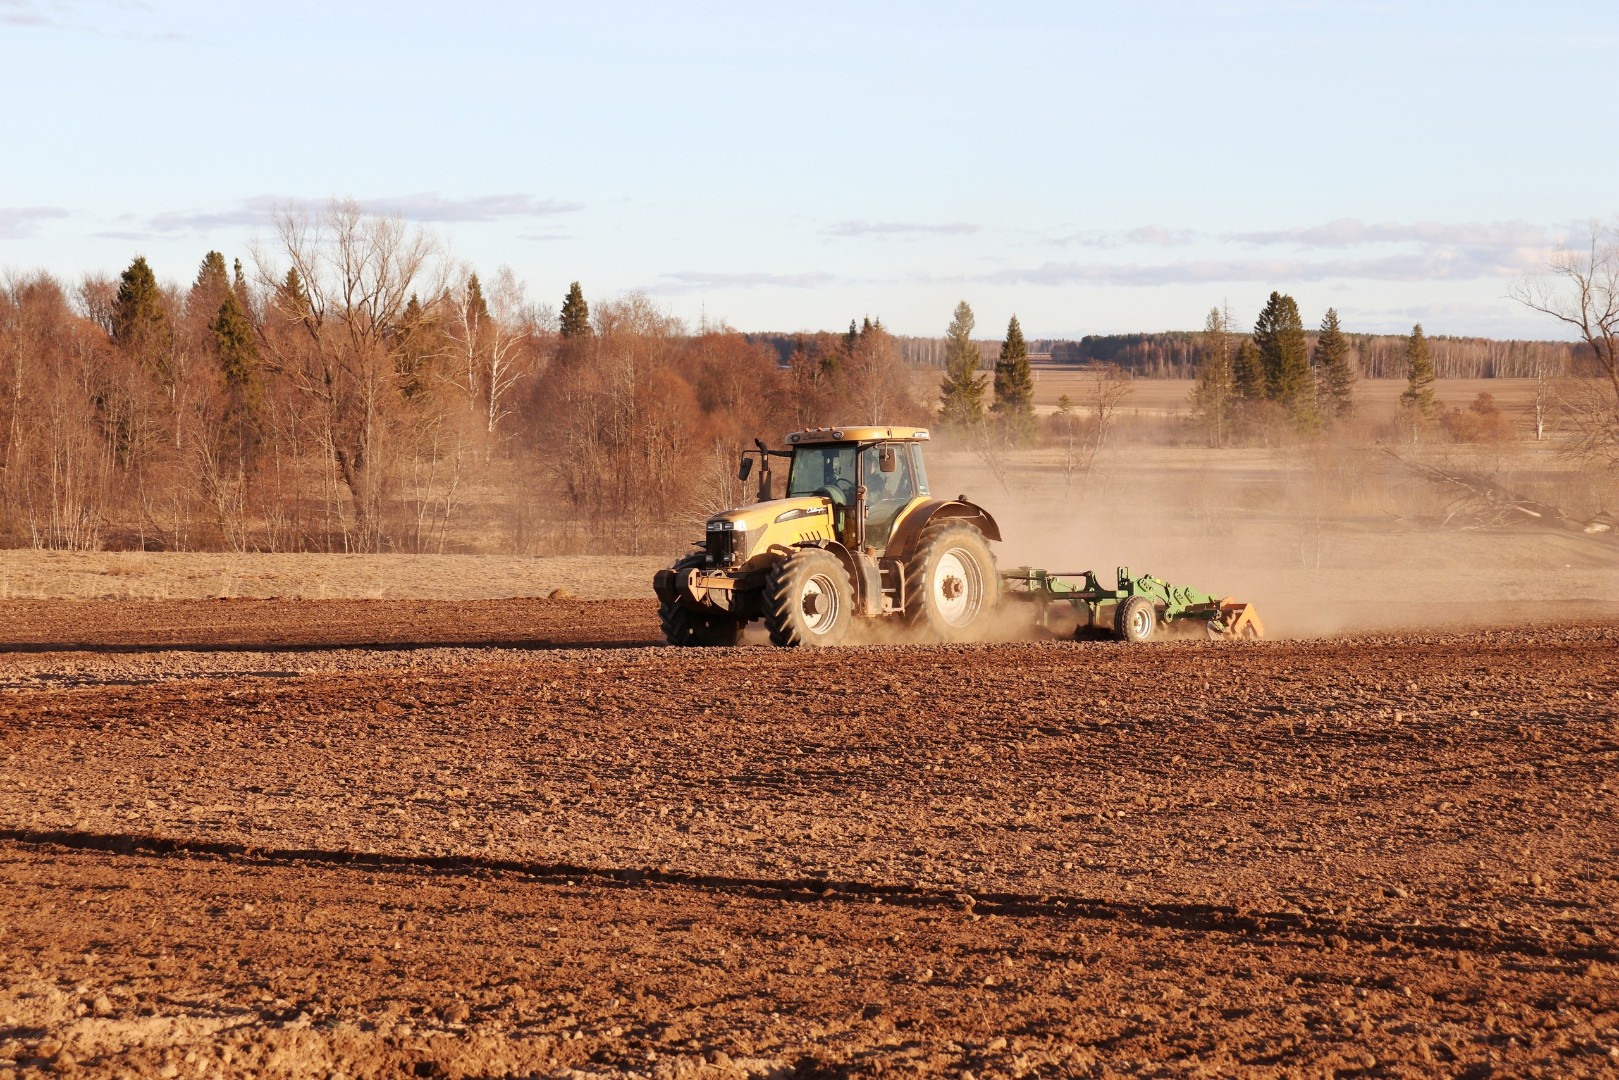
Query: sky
x,y
1088,167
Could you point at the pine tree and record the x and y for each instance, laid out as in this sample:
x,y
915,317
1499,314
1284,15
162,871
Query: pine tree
x,y
139,325
1284,353
1418,395
961,394
1335,378
575,315
1014,386
1249,372
1215,396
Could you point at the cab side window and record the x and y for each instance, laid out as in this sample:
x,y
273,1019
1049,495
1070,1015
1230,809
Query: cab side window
x,y
894,486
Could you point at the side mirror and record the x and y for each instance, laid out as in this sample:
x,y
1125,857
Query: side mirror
x,y
887,460
746,470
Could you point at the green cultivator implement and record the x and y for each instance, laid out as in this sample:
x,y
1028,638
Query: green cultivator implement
x,y
1133,611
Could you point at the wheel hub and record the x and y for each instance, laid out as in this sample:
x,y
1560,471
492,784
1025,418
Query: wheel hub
x,y
958,588
819,602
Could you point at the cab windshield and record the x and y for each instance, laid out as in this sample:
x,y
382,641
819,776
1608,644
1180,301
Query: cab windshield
x,y
816,467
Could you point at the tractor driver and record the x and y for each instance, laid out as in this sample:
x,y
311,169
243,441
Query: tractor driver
x,y
887,492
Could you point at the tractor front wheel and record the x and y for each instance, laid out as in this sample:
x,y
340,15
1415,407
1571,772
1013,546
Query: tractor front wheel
x,y
950,582
808,599
684,626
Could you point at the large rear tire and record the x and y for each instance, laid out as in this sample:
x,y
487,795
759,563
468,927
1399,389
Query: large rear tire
x,y
808,599
684,626
951,586
1137,618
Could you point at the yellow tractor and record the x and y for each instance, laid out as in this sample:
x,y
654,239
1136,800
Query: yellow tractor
x,y
857,536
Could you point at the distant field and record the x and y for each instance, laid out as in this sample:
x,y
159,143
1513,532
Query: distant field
x,y
1169,396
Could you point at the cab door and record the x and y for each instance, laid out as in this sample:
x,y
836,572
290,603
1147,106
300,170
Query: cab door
x,y
890,486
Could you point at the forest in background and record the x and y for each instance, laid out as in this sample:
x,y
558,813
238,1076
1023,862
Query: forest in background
x,y
1177,354
352,390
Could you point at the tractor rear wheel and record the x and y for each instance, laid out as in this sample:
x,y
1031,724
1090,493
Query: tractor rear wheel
x,y
683,626
1136,619
950,582
808,599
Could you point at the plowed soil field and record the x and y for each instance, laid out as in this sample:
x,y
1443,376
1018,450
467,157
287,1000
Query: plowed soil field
x,y
518,838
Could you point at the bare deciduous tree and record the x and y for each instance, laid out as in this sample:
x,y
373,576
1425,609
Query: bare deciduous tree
x,y
328,329
488,333
1582,292
55,468
1083,435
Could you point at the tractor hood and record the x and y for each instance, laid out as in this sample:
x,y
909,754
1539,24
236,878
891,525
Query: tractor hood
x,y
740,537
757,518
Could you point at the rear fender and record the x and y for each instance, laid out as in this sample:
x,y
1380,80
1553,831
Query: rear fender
x,y
903,542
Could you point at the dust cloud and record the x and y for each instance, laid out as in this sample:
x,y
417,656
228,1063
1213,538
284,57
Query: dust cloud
x,y
1323,541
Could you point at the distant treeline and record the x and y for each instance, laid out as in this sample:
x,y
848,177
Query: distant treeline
x,y
356,391
1174,354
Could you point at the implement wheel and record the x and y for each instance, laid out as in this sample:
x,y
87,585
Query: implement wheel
x,y
683,626
950,582
808,599
1136,619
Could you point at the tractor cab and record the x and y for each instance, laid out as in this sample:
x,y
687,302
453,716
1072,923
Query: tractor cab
x,y
871,476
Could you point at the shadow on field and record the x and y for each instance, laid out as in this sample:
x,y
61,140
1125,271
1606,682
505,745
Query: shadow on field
x,y
1326,930
124,648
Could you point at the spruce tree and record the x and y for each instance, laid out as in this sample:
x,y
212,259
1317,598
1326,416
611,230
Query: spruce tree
x,y
238,355
292,297
477,322
477,308
1284,354
961,394
1335,378
1215,395
1418,395
208,291
575,315
414,350
1249,372
1014,386
211,276
139,325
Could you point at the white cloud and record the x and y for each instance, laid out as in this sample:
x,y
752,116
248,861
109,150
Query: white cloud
x,y
685,281
425,207
1351,232
20,221
901,228
86,17
1431,265
1139,236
